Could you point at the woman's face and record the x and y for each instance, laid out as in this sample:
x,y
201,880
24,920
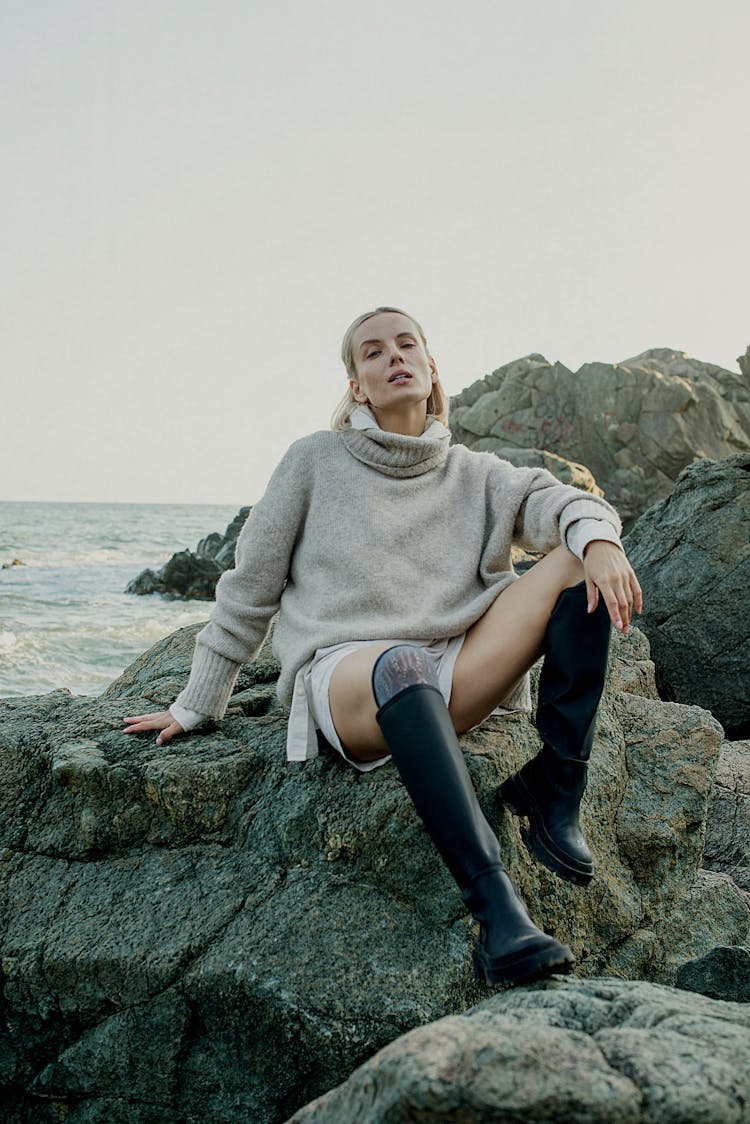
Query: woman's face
x,y
393,367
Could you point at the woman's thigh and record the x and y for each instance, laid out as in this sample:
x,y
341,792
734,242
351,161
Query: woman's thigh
x,y
353,706
503,644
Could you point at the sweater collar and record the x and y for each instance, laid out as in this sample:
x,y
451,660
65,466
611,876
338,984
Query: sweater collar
x,y
394,454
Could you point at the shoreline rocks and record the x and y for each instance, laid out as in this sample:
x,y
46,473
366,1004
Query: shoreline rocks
x,y
602,1051
194,574
256,930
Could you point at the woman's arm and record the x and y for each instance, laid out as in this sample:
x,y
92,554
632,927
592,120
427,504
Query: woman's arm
x,y
246,599
548,513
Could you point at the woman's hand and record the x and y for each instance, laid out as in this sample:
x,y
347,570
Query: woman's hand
x,y
161,720
609,573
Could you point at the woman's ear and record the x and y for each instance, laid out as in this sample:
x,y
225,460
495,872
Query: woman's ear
x,y
357,392
433,369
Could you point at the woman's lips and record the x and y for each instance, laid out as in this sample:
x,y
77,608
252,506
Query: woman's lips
x,y
399,376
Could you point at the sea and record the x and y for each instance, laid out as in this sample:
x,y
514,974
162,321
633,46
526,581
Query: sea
x,y
65,619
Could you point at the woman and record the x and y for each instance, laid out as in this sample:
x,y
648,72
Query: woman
x,y
401,622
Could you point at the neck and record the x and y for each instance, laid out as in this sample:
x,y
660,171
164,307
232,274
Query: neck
x,y
409,421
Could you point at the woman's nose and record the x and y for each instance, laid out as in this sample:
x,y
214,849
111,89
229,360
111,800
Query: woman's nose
x,y
396,356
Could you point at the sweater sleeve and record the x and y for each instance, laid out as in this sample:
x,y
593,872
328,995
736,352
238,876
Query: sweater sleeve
x,y
548,509
248,596
538,510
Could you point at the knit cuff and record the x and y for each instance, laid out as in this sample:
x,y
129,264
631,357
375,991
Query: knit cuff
x,y
212,679
583,531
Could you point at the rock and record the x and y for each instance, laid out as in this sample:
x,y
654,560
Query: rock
x,y
194,574
727,846
203,931
634,424
743,361
568,472
692,556
15,562
579,1051
723,973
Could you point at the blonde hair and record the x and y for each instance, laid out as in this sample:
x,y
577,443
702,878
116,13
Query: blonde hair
x,y
437,403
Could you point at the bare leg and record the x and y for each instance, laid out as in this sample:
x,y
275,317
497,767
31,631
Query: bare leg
x,y
508,639
353,706
498,650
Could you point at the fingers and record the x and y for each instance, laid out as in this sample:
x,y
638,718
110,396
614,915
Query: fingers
x,y
623,597
619,606
161,720
637,593
169,733
608,570
592,596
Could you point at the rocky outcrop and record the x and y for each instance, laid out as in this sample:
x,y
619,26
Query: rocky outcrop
x,y
723,973
743,362
634,424
587,1051
567,472
202,931
727,847
692,556
194,574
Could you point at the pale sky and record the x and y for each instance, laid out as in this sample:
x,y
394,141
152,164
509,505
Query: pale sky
x,y
197,198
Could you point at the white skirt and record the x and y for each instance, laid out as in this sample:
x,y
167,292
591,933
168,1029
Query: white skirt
x,y
310,709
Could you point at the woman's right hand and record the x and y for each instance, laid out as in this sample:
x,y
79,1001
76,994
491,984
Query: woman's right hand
x,y
160,720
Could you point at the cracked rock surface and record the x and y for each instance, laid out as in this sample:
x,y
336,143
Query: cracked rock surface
x,y
727,847
692,556
634,424
581,1051
203,932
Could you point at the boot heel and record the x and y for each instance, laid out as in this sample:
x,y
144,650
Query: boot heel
x,y
543,957
512,795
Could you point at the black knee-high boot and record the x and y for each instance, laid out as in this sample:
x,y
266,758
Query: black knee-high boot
x,y
419,734
549,788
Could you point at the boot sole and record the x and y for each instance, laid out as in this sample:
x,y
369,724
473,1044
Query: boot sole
x,y
532,965
519,801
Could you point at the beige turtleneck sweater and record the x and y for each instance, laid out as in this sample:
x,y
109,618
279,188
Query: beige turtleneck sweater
x,y
364,534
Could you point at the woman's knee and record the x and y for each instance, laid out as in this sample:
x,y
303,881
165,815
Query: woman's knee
x,y
399,667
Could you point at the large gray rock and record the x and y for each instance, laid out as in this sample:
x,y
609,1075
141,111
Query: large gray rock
x,y
566,471
634,424
194,574
727,847
723,973
203,932
579,1051
692,555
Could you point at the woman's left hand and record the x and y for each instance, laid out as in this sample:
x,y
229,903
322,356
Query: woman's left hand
x,y
609,573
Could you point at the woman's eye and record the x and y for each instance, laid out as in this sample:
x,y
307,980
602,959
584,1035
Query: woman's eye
x,y
372,354
408,343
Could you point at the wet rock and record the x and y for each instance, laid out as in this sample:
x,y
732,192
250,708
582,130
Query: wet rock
x,y
194,574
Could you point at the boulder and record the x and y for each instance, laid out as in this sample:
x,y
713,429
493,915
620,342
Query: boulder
x,y
567,472
743,362
692,556
580,1051
723,973
727,846
194,574
203,931
635,424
